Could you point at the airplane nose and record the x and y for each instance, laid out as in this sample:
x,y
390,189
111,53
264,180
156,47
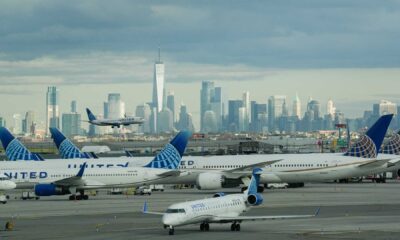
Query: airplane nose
x,y
167,220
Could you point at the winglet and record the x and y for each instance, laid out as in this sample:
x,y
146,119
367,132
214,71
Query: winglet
x,y
144,209
91,116
81,170
317,212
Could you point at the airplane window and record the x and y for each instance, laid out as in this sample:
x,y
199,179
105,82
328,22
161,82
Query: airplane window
x,y
171,210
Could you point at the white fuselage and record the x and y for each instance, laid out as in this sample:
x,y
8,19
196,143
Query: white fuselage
x,y
117,122
292,167
205,210
26,174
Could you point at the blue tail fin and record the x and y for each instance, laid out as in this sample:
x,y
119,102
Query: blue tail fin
x,y
14,148
170,157
66,148
392,146
90,115
255,181
369,144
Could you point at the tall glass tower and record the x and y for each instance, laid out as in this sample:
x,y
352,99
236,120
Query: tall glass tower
x,y
158,83
52,108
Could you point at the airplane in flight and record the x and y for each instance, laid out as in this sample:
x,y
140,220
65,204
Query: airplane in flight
x,y
52,178
126,121
219,209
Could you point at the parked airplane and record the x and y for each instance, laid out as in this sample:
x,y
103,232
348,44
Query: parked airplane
x,y
113,122
53,179
213,172
219,209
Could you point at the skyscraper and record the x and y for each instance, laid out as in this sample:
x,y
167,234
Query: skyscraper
x,y
247,110
211,100
2,122
387,107
330,108
73,106
233,114
158,83
297,107
71,124
171,104
17,128
276,107
185,119
144,111
29,122
115,106
52,108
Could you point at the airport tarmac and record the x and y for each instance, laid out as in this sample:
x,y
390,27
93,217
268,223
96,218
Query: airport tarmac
x,y
348,211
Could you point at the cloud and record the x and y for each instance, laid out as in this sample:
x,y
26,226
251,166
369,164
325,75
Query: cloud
x,y
277,34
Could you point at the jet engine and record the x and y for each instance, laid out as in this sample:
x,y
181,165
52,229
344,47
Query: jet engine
x,y
220,194
209,181
49,190
255,199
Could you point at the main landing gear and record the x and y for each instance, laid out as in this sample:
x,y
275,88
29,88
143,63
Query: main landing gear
x,y
81,196
205,227
235,227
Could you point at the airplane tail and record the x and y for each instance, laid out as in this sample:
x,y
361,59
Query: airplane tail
x,y
91,116
170,157
66,148
369,144
14,149
392,146
253,197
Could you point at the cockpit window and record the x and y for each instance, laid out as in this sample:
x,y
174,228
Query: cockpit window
x,y
171,210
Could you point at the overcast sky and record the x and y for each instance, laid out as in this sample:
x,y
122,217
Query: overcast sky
x,y
344,50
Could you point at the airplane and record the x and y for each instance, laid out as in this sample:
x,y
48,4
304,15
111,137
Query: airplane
x,y
219,209
126,121
214,172
49,178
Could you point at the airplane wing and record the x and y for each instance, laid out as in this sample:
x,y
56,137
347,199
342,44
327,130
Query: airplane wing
x,y
259,218
252,166
173,173
74,180
374,163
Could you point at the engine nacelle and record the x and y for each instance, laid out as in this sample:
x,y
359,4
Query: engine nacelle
x,y
220,194
49,190
255,199
209,181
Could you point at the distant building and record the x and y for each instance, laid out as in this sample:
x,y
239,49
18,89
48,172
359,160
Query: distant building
x,y
210,100
17,120
52,108
276,108
165,121
29,123
296,107
158,83
330,108
185,120
233,114
210,122
171,104
144,111
71,124
387,107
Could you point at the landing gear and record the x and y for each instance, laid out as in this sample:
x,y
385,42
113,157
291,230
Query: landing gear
x,y
171,230
235,227
205,227
81,196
